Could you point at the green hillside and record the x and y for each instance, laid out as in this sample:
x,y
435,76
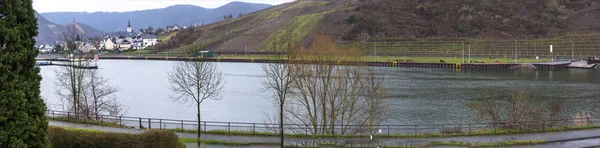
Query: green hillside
x,y
408,27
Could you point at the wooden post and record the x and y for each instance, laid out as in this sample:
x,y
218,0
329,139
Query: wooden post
x,y
140,123
415,130
469,129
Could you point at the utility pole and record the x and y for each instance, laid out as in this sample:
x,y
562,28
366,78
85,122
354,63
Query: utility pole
x,y
463,51
516,50
572,50
374,50
469,53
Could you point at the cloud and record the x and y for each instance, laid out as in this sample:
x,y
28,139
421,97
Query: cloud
x,y
129,5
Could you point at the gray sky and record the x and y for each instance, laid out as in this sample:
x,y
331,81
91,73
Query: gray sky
x,y
129,5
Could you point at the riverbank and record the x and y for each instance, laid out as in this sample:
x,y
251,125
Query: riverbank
x,y
397,62
506,140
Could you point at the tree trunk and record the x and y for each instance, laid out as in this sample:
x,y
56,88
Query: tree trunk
x,y
199,128
281,123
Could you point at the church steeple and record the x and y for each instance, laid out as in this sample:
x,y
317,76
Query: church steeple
x,y
129,30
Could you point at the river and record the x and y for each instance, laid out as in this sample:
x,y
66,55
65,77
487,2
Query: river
x,y
416,95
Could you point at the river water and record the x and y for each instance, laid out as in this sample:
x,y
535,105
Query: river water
x,y
417,95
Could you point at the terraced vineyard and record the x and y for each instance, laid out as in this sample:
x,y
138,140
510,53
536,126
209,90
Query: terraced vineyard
x,y
583,46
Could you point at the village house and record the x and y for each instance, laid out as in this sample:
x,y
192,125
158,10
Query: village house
x,y
128,40
173,28
149,40
45,48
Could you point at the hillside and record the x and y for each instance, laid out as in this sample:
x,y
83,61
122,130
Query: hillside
x,y
49,32
177,14
346,20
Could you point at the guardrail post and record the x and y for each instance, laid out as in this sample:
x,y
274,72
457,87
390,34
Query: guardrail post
x,y
101,119
469,129
182,127
160,124
415,130
388,129
494,128
254,128
52,114
521,127
150,124
205,126
544,126
229,128
120,121
140,119
443,131
306,130
68,116
567,124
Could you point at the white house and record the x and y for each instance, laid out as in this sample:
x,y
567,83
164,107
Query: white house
x,y
173,28
137,43
45,48
149,40
108,44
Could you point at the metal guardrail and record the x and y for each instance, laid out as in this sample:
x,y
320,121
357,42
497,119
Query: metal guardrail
x,y
382,130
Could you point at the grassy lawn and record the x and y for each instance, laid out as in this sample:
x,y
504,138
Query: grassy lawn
x,y
488,144
454,60
366,58
485,132
90,122
167,37
223,142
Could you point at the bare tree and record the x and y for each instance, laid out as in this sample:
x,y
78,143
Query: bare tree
x,y
334,99
102,96
196,81
279,77
71,79
83,91
509,112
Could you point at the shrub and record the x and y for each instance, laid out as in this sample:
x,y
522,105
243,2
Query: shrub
x,y
72,138
351,19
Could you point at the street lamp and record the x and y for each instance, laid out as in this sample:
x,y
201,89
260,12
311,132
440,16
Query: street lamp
x,y
463,51
374,50
469,53
516,50
572,50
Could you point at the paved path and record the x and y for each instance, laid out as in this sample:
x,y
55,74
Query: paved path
x,y
556,138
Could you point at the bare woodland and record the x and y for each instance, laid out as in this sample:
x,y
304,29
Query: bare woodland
x,y
83,91
522,108
323,97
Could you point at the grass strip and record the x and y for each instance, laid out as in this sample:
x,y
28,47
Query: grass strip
x,y
87,121
225,143
485,132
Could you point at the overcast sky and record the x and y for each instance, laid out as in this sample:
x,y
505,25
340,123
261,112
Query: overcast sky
x,y
129,5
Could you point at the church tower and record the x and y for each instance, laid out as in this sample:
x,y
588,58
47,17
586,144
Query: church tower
x,y
129,27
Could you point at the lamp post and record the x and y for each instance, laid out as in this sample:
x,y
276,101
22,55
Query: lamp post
x,y
572,50
463,51
516,50
374,50
469,53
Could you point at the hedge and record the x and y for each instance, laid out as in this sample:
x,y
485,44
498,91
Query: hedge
x,y
73,138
